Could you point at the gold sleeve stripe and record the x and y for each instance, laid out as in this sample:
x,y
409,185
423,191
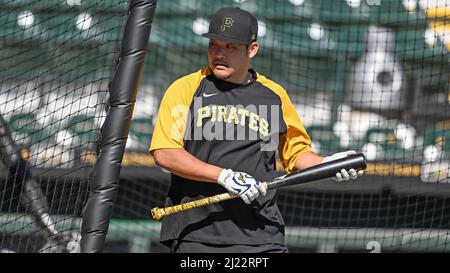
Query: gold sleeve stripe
x,y
173,111
295,141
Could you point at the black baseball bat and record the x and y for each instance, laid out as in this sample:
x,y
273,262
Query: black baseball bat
x,y
320,171
314,173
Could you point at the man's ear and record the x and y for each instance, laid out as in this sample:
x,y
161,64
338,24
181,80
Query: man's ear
x,y
253,49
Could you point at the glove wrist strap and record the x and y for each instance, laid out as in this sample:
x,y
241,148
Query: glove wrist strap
x,y
224,175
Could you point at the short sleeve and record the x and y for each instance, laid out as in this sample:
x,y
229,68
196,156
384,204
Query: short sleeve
x,y
173,113
295,141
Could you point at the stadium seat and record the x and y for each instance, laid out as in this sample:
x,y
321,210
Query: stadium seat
x,y
176,63
25,121
351,39
116,6
388,146
18,97
81,124
7,3
76,49
141,133
59,28
147,100
180,32
27,130
17,59
340,11
310,39
442,28
420,45
382,135
208,8
399,14
112,6
306,74
110,27
185,33
92,63
267,63
424,56
63,101
142,127
81,28
278,9
182,7
262,9
36,5
54,27
19,26
84,129
292,10
328,141
438,137
438,11
433,77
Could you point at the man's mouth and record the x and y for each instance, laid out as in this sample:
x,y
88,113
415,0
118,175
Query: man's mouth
x,y
220,65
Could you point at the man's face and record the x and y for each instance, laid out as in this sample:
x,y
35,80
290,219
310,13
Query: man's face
x,y
229,61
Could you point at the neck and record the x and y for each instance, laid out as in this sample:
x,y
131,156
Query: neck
x,y
241,78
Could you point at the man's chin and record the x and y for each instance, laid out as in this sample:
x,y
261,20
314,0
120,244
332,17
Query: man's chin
x,y
221,75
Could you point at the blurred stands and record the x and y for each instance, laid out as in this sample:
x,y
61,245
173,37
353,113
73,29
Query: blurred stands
x,y
343,12
58,56
436,142
398,14
27,130
324,139
307,46
83,127
113,6
384,144
56,60
140,134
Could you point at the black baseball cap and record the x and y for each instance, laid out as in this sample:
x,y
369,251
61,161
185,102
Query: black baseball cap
x,y
233,25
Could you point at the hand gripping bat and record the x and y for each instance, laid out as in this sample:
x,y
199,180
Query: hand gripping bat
x,y
312,174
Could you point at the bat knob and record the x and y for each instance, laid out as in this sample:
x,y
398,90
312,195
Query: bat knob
x,y
156,213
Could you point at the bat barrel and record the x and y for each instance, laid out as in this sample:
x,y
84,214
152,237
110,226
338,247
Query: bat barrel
x,y
321,171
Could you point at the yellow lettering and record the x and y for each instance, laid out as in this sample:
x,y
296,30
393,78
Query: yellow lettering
x,y
244,113
203,112
263,127
232,115
213,113
253,120
222,113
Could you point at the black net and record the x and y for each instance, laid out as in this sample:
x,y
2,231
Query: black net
x,y
56,60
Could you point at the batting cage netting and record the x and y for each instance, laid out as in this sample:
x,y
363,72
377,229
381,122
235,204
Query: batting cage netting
x,y
364,75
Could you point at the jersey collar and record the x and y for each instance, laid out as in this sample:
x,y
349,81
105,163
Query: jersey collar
x,y
252,76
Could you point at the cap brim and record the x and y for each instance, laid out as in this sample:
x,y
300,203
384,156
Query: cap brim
x,y
224,38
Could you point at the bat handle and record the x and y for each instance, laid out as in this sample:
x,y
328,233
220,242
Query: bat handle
x,y
159,213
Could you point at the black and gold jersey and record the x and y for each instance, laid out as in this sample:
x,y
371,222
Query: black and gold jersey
x,y
240,127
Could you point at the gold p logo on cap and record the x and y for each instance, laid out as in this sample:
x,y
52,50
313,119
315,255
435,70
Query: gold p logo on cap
x,y
226,23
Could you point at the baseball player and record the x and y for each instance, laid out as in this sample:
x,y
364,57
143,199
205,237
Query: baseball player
x,y
220,129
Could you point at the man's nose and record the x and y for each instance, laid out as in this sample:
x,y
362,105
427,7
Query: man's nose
x,y
218,51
